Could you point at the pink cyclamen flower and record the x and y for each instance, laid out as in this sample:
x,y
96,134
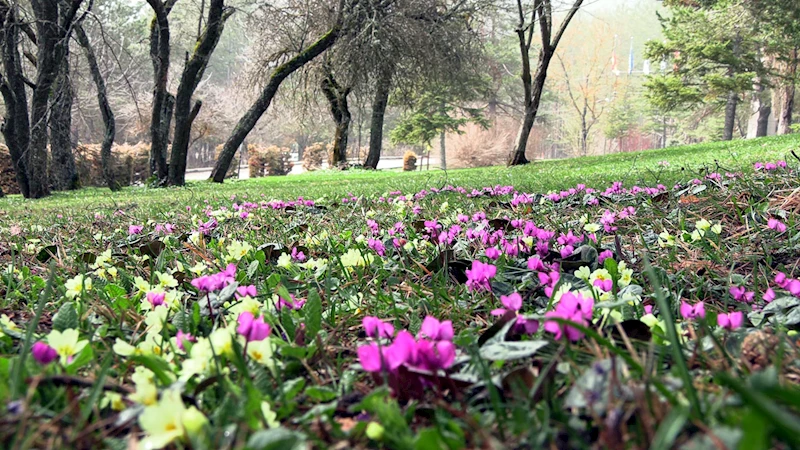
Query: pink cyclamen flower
x,y
573,307
535,263
43,353
769,295
377,328
434,356
740,294
294,303
252,328
648,309
246,291
377,246
438,331
605,254
182,337
730,321
156,298
776,225
478,276
375,358
513,303
689,312
298,255
604,285
135,229
567,251
493,253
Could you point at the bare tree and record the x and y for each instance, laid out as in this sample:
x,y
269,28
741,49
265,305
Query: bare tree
x,y
336,95
63,172
26,135
533,83
279,74
192,73
163,101
105,108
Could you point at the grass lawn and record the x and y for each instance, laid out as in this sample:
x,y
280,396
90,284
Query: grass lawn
x,y
640,300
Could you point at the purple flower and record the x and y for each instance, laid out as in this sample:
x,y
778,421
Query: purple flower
x,y
567,251
769,295
43,353
438,331
493,253
135,229
376,328
513,303
478,277
604,285
298,255
776,225
573,307
252,328
377,246
291,304
692,312
374,358
184,337
156,298
245,291
434,356
740,294
604,255
730,321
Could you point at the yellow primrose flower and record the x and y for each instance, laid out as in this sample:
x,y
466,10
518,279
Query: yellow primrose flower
x,y
583,273
443,207
284,261
353,257
113,272
222,341
237,250
156,318
261,352
166,280
77,284
114,400
717,229
702,225
666,240
697,235
269,415
66,344
591,227
165,421
245,303
599,274
6,323
141,285
198,268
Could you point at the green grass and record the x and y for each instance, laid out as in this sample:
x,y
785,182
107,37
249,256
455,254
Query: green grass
x,y
632,373
642,168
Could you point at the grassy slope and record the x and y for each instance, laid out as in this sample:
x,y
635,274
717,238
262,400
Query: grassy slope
x,y
641,168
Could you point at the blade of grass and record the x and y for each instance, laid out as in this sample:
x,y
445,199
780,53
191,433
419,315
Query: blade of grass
x,y
672,335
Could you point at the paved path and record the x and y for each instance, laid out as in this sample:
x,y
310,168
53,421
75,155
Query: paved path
x,y
244,172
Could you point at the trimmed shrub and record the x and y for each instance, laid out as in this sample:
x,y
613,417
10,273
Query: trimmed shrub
x,y
409,161
269,161
313,156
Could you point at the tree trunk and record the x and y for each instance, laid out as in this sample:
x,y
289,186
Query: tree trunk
x,y
159,121
787,97
192,73
63,172
730,116
48,61
379,103
16,125
105,109
250,118
534,86
337,100
442,151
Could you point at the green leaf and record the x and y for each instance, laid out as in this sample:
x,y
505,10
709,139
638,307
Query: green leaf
x,y
320,394
276,439
227,293
505,351
313,313
429,438
670,428
66,317
115,291
81,359
252,269
293,387
159,367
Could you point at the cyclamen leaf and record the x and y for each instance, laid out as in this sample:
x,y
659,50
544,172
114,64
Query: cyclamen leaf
x,y
276,439
313,313
66,317
506,351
